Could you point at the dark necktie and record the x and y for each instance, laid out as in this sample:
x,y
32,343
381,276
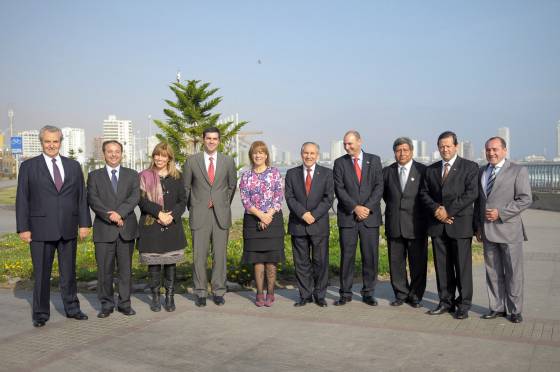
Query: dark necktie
x,y
445,173
358,170
308,182
57,176
114,180
491,179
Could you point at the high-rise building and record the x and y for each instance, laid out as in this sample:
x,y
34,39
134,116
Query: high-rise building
x,y
466,150
74,143
31,145
97,148
504,133
274,154
287,157
337,149
121,130
558,141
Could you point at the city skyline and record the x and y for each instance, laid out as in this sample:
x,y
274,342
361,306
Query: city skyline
x,y
297,72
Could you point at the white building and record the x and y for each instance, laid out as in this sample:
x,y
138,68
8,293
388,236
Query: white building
x,y
504,133
74,139
287,157
31,145
337,149
273,154
557,158
121,130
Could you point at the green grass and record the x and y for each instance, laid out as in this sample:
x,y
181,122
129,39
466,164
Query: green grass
x,y
8,196
15,260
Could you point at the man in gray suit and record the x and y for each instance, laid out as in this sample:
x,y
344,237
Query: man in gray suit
x,y
504,193
113,193
210,182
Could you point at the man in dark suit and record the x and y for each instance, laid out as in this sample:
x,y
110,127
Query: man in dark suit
x,y
358,185
449,190
405,224
51,204
113,193
309,195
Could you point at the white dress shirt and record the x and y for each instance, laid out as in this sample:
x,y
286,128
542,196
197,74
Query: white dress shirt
x,y
214,160
488,171
311,173
450,162
48,160
109,169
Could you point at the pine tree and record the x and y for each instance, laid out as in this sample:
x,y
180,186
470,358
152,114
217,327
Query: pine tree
x,y
189,115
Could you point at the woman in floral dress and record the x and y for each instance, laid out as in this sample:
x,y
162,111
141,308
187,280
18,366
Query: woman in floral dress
x,y
263,224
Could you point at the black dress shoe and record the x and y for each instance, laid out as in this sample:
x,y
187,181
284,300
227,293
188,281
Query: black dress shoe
x,y
461,314
342,301
493,314
303,302
516,318
39,323
200,301
219,300
397,302
78,316
104,313
441,309
369,300
413,303
321,302
128,312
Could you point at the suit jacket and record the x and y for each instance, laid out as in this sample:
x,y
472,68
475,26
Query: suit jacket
x,y
40,208
350,193
511,195
318,202
457,195
405,214
200,191
102,198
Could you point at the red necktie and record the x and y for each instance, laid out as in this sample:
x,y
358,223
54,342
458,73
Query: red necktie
x,y
308,181
211,171
358,170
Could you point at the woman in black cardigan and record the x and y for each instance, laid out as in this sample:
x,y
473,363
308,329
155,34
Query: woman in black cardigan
x,y
162,238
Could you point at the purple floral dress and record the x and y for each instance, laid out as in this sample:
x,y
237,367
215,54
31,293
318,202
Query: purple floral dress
x,y
262,190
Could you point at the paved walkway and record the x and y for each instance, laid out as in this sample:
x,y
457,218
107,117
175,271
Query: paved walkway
x,y
241,337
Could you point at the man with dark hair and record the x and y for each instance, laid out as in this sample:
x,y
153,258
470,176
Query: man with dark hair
x,y
113,193
358,184
210,182
309,195
448,191
51,211
405,224
504,193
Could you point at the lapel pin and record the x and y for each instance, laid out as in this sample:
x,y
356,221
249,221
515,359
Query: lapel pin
x,y
412,179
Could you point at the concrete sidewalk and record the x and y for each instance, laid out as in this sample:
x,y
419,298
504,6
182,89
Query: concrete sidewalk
x,y
241,337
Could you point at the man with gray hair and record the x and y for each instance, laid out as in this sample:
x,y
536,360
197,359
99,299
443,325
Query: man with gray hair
x,y
309,195
51,211
405,224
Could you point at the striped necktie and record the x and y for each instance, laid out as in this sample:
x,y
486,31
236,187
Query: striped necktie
x,y
491,180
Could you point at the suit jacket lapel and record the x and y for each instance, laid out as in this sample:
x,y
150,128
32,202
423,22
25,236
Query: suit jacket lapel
x,y
315,180
412,175
45,170
200,160
365,167
396,177
500,176
67,172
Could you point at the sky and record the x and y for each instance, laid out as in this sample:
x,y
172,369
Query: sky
x,y
384,68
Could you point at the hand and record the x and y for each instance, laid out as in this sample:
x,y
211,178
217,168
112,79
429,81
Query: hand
x,y
265,218
308,218
114,217
441,214
263,226
449,220
83,232
492,215
361,212
478,235
165,218
25,236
